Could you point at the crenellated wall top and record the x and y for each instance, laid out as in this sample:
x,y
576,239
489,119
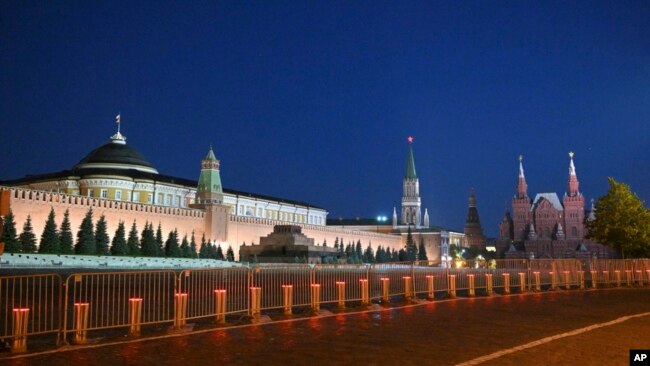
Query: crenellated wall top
x,y
24,194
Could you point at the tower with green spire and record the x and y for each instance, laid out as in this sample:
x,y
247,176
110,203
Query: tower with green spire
x,y
411,211
209,197
209,189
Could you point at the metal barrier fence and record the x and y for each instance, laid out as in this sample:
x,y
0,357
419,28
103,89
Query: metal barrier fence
x,y
207,288
271,279
107,300
41,304
340,283
29,305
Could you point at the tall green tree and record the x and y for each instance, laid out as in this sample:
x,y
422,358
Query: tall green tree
x,y
230,254
50,242
148,244
101,237
411,250
212,251
622,221
9,236
159,249
185,248
65,235
133,242
422,251
379,255
119,245
193,246
27,238
358,251
402,255
172,248
204,250
219,254
86,242
368,254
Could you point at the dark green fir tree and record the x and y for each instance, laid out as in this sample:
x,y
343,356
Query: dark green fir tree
x,y
204,250
219,254
50,238
133,242
118,245
9,236
27,238
185,248
230,254
65,235
148,244
101,237
411,251
172,248
193,246
422,251
86,242
159,249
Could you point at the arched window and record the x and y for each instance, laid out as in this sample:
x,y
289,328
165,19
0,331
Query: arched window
x,y
574,231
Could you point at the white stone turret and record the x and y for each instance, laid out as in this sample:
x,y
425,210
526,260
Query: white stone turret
x,y
426,218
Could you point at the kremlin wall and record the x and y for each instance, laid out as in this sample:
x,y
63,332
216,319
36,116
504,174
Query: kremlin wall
x,y
114,180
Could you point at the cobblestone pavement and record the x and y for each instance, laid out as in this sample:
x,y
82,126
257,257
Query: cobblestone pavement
x,y
441,333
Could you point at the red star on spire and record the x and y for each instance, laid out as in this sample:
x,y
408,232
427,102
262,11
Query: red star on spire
x,y
410,139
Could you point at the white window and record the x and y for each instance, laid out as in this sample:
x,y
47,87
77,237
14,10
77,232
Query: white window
x,y
177,200
90,193
259,212
183,202
136,196
103,193
150,198
168,200
118,195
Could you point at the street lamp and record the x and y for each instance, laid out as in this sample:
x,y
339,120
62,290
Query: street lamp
x,y
380,219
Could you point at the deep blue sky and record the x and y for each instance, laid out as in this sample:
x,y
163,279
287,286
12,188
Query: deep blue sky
x,y
313,101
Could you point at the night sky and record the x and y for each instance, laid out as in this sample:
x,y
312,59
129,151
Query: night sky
x,y
313,101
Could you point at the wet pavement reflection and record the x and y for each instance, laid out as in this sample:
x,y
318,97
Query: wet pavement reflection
x,y
442,332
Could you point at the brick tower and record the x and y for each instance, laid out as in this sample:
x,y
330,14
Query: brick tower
x,y
521,206
473,231
574,206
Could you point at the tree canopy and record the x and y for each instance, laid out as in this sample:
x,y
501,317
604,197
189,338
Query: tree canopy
x,y
621,221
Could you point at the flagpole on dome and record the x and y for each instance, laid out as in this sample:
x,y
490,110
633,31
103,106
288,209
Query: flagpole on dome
x,y
118,138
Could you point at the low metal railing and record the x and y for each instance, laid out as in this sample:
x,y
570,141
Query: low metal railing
x,y
33,305
29,305
95,301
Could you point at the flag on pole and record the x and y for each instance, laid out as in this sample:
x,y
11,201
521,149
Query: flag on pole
x,y
117,119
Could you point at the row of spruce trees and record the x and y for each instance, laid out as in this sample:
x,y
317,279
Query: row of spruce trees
x,y
355,254
92,239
